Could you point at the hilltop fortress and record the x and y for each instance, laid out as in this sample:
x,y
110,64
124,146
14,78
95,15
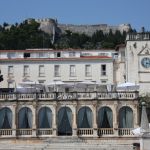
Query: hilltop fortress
x,y
52,26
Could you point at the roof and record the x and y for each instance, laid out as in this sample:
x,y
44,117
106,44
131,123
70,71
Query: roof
x,y
58,59
54,50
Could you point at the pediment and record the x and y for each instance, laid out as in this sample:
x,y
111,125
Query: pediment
x,y
145,51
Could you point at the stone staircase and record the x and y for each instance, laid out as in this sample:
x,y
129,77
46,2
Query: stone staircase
x,y
63,143
75,143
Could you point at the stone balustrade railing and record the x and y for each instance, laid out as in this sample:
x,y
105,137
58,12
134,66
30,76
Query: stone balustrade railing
x,y
26,96
124,131
44,131
69,96
6,132
22,132
85,131
105,131
48,132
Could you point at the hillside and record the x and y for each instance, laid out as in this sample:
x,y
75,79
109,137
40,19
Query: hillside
x,y
32,33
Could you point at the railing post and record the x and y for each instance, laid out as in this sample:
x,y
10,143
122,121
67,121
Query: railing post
x,y
116,131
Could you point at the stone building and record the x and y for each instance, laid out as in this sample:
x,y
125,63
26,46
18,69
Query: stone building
x,y
97,114
133,63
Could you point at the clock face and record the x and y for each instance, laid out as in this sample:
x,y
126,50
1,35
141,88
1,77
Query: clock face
x,y
146,62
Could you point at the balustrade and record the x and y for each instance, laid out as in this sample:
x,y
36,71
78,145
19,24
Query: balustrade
x,y
29,96
7,96
125,131
24,132
5,132
44,131
46,96
69,96
105,131
85,131
86,95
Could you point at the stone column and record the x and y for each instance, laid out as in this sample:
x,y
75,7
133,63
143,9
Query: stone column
x,y
14,118
115,118
74,120
54,124
34,126
135,116
95,120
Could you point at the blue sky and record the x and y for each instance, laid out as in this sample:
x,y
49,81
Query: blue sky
x,y
112,12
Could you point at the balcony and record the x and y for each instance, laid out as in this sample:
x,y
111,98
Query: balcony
x,y
81,132
70,96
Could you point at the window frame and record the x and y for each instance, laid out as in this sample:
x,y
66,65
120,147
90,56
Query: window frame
x,y
10,73
41,72
103,70
56,71
26,73
72,71
88,73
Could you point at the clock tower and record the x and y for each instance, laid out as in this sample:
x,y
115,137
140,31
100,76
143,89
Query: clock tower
x,y
137,63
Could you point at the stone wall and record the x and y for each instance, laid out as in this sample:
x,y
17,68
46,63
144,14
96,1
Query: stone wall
x,y
48,25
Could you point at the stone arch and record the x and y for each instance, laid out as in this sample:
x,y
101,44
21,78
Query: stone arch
x,y
85,117
105,117
5,118
64,121
25,117
126,117
45,117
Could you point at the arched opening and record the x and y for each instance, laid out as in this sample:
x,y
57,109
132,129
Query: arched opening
x,y
45,118
105,118
125,117
25,118
85,117
5,118
64,121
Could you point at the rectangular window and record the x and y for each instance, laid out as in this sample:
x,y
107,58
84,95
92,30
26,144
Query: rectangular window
x,y
57,54
88,71
72,54
42,55
10,71
57,71
26,71
11,55
26,55
72,71
103,70
41,71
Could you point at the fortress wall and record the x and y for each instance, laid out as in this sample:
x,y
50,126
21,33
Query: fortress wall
x,y
48,24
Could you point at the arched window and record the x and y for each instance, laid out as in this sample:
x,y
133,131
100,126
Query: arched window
x,y
64,121
25,118
5,118
85,117
105,118
125,117
45,118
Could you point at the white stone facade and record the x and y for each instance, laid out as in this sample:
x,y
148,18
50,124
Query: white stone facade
x,y
129,63
44,66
